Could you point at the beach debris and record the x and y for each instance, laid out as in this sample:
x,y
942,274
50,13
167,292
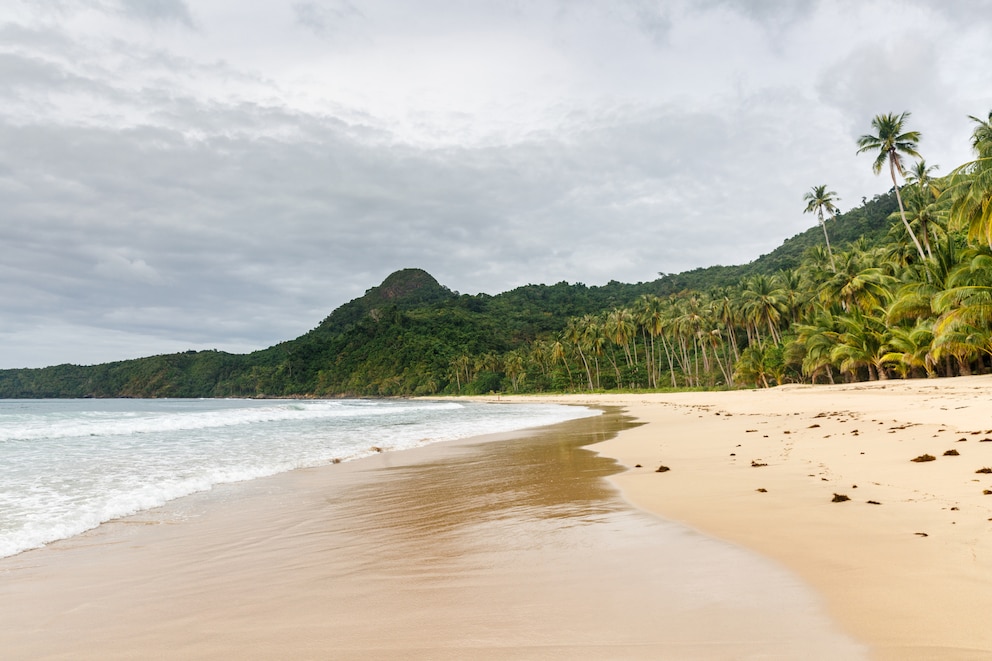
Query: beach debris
x,y
336,460
749,431
662,469
987,492
986,440
733,454
839,498
813,426
952,453
873,502
955,509
757,464
638,466
984,470
924,457
375,448
962,440
761,490
921,534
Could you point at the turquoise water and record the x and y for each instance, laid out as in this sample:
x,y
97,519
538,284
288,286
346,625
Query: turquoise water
x,y
67,466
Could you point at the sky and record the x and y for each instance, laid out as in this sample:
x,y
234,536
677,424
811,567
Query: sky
x,y
221,174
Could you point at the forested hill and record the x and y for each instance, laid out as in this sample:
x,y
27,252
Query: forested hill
x,y
412,336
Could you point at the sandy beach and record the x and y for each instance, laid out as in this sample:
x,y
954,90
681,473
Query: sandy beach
x,y
906,563
554,544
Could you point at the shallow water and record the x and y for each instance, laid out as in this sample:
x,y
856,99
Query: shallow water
x,y
69,465
512,549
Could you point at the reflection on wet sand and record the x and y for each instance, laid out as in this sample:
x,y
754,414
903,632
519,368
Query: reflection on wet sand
x,y
509,549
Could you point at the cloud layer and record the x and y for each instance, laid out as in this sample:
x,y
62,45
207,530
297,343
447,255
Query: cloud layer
x,y
191,175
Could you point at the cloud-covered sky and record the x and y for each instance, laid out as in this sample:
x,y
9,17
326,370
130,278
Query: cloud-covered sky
x,y
196,174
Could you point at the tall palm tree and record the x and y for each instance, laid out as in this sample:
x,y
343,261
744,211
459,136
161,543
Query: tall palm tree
x,y
892,143
818,200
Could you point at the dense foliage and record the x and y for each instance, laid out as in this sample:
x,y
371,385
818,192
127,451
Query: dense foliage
x,y
900,286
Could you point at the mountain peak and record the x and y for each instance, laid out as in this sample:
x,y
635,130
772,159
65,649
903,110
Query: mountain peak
x,y
406,284
406,288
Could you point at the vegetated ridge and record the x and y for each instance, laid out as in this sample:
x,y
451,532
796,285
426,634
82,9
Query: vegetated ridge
x,y
404,336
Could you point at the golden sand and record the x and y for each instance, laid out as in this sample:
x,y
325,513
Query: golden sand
x,y
905,563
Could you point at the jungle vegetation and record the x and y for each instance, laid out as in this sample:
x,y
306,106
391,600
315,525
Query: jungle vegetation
x,y
898,287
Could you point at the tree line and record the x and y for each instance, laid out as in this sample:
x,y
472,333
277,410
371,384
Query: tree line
x,y
917,303
898,287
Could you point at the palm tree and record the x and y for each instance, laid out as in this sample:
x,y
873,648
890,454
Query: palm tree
x,y
763,303
817,338
910,349
576,333
818,200
863,343
923,200
892,143
966,303
972,186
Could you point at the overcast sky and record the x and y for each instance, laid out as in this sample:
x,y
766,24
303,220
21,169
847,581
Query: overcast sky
x,y
197,174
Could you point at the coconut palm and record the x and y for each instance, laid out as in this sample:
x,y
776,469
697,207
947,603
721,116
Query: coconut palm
x,y
967,300
817,338
909,349
863,343
575,334
923,200
818,200
971,184
892,144
763,303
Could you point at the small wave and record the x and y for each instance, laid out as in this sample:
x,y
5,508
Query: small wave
x,y
127,423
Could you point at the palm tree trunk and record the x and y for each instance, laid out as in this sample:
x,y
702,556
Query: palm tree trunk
x,y
902,211
671,364
833,267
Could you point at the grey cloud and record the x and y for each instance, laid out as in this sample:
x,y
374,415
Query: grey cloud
x,y
325,19
773,14
147,231
896,76
158,11
164,214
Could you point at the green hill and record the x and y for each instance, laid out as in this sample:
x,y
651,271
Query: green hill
x,y
403,336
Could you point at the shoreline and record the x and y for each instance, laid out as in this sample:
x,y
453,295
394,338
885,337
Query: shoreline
x,y
508,547
905,564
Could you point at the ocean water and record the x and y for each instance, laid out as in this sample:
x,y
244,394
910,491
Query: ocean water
x,y
67,466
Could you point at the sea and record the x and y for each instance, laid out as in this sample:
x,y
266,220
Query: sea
x,y
66,466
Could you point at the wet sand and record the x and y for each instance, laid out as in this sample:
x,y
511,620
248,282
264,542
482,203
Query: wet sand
x,y
905,564
503,548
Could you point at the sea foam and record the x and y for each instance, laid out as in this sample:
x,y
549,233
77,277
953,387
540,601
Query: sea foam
x,y
67,466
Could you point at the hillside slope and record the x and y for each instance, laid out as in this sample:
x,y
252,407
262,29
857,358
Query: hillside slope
x,y
402,336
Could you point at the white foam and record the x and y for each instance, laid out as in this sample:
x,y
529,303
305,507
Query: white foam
x,y
66,467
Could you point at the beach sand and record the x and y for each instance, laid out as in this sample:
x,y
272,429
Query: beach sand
x,y
905,564
503,548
